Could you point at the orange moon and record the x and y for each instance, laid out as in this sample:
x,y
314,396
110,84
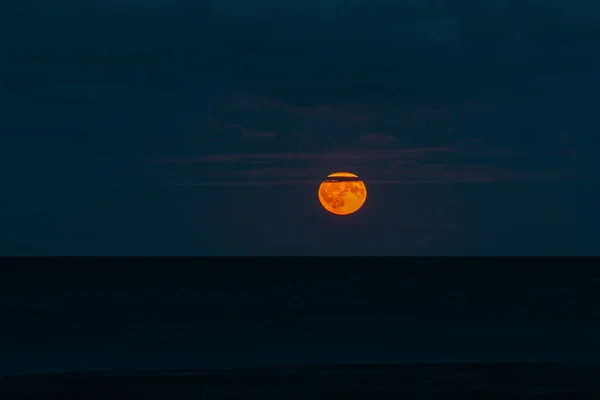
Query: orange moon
x,y
342,193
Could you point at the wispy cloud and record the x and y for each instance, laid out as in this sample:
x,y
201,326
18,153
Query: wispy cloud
x,y
391,166
341,112
251,134
376,139
338,155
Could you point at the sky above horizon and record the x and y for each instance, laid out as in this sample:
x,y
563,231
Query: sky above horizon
x,y
165,127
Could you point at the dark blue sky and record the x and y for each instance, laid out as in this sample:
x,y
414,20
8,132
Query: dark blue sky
x,y
204,127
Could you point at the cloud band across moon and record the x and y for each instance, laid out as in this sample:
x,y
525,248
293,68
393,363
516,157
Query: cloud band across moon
x,y
399,166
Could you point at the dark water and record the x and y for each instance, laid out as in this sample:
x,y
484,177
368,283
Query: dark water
x,y
212,314
441,381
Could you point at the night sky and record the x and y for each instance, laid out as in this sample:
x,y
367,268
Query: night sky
x,y
165,127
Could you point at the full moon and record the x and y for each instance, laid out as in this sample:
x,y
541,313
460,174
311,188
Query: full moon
x,y
342,193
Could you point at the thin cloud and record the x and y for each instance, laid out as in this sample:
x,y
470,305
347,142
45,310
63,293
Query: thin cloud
x,y
252,102
395,166
397,155
363,155
492,176
248,133
376,139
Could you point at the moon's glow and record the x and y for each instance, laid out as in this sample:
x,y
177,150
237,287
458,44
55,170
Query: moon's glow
x,y
342,193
